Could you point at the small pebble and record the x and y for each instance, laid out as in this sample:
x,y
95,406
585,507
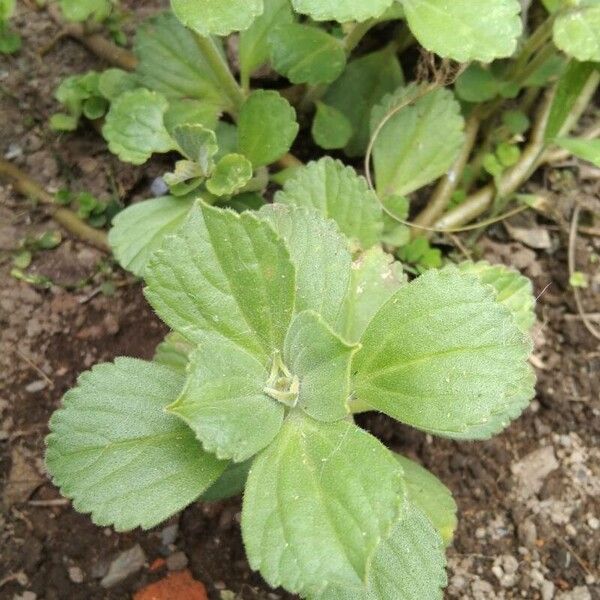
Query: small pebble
x,y
75,574
36,386
177,561
547,590
594,523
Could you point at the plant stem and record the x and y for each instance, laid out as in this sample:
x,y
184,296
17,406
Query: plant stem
x,y
222,72
65,217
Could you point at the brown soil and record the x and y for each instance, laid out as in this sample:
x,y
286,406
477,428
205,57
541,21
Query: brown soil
x,y
512,541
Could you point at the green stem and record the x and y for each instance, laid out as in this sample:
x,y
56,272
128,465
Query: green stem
x,y
222,72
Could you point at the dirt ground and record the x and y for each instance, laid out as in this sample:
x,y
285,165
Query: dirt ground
x,y
529,500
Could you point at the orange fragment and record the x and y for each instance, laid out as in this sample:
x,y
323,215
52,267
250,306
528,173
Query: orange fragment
x,y
156,565
175,586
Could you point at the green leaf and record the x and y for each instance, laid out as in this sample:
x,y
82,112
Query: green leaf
x,y
408,564
63,122
117,454
139,230
338,193
317,502
95,108
512,289
224,403
320,255
230,484
443,355
331,129
82,10
171,63
184,111
10,41
231,174
198,144
254,46
134,126
215,17
321,360
429,494
7,9
113,82
174,352
224,274
187,174
360,87
306,54
341,10
577,30
376,276
585,149
568,90
466,30
419,143
477,84
267,127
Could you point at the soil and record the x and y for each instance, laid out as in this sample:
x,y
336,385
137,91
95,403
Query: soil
x,y
529,499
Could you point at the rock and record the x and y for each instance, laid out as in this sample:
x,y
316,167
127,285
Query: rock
x,y
36,386
547,590
126,564
75,574
533,469
177,561
159,187
175,586
527,533
25,596
578,593
169,534
593,523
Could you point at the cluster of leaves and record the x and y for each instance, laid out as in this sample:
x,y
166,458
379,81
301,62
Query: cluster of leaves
x,y
10,41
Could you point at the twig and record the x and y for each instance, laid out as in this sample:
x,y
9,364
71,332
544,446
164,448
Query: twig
x,y
36,368
25,186
572,268
45,503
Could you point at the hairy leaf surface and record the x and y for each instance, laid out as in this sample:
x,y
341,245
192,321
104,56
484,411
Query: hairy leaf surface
x,y
466,30
341,10
231,174
445,356
224,274
338,193
118,455
174,352
224,403
577,31
317,502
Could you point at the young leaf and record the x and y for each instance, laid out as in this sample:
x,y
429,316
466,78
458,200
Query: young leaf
x,y
254,46
419,143
341,10
375,279
429,494
267,127
117,454
512,289
317,502
224,403
331,129
215,17
185,111
445,356
338,193
224,274
113,82
171,63
197,143
477,84
577,30
82,10
134,127
139,230
585,149
362,85
321,361
466,30
174,352
306,54
320,255
231,174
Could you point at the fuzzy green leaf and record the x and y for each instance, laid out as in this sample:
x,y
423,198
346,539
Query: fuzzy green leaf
x,y
581,148
320,255
321,361
338,193
577,31
231,174
171,63
113,82
186,111
82,10
418,143
224,274
197,143
331,129
267,127
230,484
135,128
376,277
360,87
174,352
443,355
117,454
341,10
224,403
215,17
428,493
139,230
254,46
317,502
306,54
466,30
512,289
